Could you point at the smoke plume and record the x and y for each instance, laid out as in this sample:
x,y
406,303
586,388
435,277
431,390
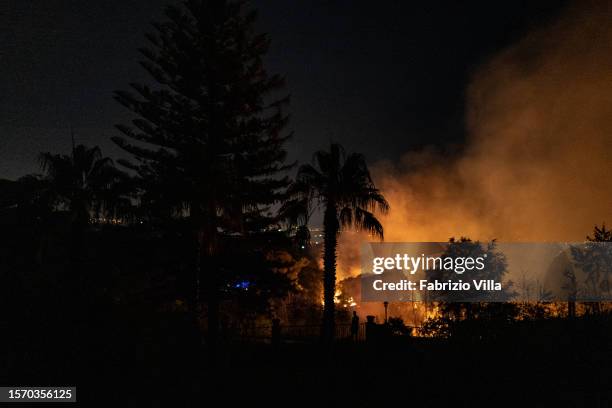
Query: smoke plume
x,y
537,165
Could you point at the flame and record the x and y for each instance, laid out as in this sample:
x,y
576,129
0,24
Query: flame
x,y
533,168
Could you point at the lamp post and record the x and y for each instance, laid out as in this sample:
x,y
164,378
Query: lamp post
x,y
386,304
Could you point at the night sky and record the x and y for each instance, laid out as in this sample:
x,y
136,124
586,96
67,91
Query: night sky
x,y
379,77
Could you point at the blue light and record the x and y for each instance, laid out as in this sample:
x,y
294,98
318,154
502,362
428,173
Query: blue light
x,y
242,284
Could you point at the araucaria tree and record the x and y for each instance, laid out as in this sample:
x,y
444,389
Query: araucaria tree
x,y
342,186
208,138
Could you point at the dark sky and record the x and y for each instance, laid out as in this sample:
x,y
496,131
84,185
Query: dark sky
x,y
380,77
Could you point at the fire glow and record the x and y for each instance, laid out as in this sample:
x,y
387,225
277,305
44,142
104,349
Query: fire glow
x,y
535,165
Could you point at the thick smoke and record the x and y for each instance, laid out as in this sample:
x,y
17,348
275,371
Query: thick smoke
x,y
538,161
537,165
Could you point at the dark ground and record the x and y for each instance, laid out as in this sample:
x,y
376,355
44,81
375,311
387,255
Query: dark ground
x,y
130,353
125,362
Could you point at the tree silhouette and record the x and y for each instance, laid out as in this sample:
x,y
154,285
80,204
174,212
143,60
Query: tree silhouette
x,y
84,183
29,195
207,139
469,304
594,257
342,186
600,234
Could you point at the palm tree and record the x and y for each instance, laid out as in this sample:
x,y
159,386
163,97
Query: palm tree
x,y
84,183
341,186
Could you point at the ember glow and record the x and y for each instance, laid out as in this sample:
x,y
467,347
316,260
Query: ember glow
x,y
537,163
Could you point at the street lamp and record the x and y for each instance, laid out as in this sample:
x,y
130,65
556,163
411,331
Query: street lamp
x,y
386,306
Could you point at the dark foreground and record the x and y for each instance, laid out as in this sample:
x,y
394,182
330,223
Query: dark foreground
x,y
124,362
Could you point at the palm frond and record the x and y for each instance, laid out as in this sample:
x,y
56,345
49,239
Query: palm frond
x,y
343,181
366,221
85,181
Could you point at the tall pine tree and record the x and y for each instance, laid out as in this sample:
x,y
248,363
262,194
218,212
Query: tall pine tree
x,y
208,137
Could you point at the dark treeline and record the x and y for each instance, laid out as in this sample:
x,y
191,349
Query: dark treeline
x,y
198,236
208,181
